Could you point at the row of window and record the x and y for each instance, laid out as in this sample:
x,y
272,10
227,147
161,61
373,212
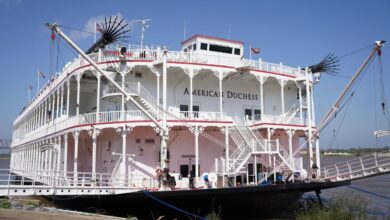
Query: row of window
x,y
214,48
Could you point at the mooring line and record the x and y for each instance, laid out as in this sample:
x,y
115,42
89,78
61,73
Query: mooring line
x,y
172,206
368,192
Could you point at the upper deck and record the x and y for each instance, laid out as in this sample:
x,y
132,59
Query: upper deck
x,y
175,58
219,57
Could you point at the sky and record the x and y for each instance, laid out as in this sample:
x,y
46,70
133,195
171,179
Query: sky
x,y
297,33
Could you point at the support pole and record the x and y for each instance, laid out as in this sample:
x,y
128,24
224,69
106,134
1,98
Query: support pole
x,y
75,158
78,95
65,155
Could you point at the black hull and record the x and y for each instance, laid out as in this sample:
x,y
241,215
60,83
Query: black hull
x,y
234,203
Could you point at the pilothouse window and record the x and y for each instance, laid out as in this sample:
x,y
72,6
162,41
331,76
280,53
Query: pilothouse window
x,y
221,49
237,51
203,46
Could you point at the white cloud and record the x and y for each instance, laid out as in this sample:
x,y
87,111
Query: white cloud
x,y
89,26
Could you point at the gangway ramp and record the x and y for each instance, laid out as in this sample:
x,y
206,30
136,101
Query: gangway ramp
x,y
359,168
23,183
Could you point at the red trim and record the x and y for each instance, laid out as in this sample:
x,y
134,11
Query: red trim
x,y
278,124
201,64
119,122
211,38
280,74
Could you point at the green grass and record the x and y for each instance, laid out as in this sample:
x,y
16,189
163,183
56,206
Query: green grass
x,y
5,204
341,207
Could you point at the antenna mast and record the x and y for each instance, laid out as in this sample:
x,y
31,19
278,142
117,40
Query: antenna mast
x,y
144,25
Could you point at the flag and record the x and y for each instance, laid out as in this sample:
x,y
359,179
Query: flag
x,y
40,74
30,87
98,28
255,50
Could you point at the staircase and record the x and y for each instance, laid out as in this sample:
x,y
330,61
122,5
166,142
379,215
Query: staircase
x,y
292,111
249,143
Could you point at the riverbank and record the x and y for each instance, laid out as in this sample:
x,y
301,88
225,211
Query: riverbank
x,y
16,208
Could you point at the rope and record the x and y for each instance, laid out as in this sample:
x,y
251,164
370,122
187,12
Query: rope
x,y
336,131
368,192
356,51
171,206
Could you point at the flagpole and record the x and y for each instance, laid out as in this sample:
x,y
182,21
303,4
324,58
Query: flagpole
x,y
250,52
38,81
94,36
29,91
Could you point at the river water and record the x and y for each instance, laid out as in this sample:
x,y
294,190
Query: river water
x,y
377,188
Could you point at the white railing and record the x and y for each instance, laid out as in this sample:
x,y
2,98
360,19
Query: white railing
x,y
155,53
359,167
80,179
200,115
275,119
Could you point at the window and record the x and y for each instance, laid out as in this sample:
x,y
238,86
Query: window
x,y
194,46
184,170
203,46
184,110
222,49
195,111
237,51
138,75
185,49
149,141
248,113
257,114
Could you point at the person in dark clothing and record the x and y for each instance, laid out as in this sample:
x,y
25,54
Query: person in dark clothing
x,y
191,179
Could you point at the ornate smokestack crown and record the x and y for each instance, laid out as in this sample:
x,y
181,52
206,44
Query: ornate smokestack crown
x,y
112,30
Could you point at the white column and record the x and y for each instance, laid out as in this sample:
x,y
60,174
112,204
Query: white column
x,y
165,101
50,150
59,154
227,154
261,96
309,117
312,106
62,100
67,98
158,95
124,158
39,162
98,97
65,154
300,104
123,97
290,134
45,111
191,98
75,158
282,84
39,113
46,161
94,133
318,158
124,131
78,95
58,104
317,145
220,96
52,106
269,144
255,169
